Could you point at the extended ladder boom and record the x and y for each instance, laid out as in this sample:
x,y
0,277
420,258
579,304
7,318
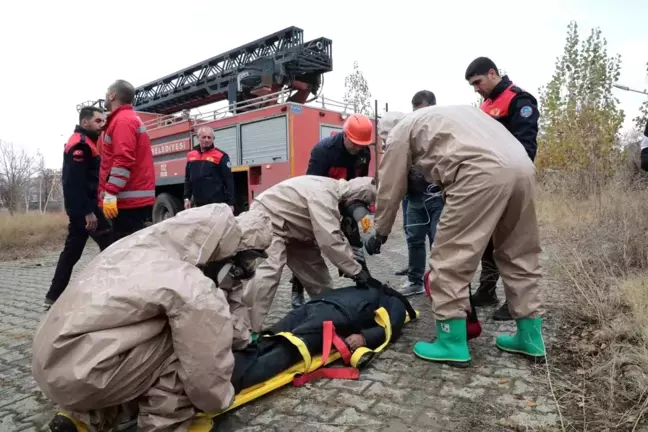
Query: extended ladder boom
x,y
283,57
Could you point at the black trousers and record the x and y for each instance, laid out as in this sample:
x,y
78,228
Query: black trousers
x,y
490,273
270,356
129,221
73,249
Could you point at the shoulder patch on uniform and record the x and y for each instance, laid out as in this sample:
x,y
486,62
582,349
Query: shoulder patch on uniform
x,y
229,164
77,153
526,111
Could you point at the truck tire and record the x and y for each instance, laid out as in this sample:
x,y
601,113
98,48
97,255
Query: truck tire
x,y
166,206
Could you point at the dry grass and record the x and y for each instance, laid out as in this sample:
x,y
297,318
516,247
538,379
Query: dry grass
x,y
600,243
26,235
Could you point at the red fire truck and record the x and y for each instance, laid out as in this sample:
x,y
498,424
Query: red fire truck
x,y
274,116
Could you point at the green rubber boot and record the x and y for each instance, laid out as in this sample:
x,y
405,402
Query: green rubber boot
x,y
526,341
450,346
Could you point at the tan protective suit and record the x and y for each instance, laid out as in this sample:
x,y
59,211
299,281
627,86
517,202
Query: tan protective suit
x,y
306,224
489,186
142,325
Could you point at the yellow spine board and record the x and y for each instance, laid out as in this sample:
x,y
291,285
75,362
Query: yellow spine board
x,y
308,364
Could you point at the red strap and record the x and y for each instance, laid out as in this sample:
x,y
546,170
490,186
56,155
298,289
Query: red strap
x,y
348,373
329,339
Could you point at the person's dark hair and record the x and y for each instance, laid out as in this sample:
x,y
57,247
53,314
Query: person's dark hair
x,y
124,90
88,112
480,66
423,96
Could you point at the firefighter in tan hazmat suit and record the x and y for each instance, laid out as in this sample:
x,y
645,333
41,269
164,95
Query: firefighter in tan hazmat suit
x,y
142,327
489,186
305,218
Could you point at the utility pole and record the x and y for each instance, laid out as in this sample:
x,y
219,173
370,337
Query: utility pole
x,y
626,88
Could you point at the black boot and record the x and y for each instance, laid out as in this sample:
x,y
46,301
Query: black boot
x,y
485,296
297,297
402,272
503,313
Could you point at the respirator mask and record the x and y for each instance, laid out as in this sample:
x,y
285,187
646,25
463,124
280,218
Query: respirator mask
x,y
239,267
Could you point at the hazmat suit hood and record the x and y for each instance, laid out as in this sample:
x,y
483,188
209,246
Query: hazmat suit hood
x,y
211,233
387,123
358,189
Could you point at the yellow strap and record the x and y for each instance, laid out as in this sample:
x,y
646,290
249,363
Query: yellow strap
x,y
80,426
301,346
382,319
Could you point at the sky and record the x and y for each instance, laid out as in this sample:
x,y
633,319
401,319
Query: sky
x,y
55,55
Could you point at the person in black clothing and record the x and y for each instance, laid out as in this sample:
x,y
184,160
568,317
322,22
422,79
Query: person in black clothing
x,y
342,156
80,177
644,150
208,175
517,110
352,311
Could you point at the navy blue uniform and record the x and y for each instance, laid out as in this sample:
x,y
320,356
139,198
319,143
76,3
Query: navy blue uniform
x,y
644,150
329,158
208,177
80,178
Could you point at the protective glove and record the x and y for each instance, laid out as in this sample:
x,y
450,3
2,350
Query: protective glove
x,y
110,206
373,244
362,277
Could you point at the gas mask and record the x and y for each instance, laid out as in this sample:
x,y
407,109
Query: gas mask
x,y
357,222
239,267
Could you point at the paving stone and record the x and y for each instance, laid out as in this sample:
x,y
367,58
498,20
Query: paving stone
x,y
396,392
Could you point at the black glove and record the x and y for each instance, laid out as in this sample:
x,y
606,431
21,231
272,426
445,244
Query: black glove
x,y
374,243
362,277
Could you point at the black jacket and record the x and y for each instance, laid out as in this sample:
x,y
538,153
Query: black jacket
x,y
644,150
329,158
80,173
208,177
522,118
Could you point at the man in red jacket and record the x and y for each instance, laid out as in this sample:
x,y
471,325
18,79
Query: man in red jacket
x,y
127,176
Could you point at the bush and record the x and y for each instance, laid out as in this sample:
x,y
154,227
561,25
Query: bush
x,y
24,235
601,264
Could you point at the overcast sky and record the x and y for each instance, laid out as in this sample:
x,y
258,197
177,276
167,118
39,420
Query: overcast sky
x,y
56,54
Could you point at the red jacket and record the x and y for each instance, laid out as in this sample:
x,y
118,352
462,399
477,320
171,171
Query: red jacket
x,y
127,160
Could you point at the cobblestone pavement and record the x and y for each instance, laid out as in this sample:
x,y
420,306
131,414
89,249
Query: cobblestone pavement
x,y
397,392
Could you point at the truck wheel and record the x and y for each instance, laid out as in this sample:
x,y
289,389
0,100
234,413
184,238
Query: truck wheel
x,y
165,207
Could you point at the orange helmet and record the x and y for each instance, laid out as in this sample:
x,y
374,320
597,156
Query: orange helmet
x,y
358,128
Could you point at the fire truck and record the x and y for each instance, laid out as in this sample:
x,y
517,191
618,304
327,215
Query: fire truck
x,y
275,114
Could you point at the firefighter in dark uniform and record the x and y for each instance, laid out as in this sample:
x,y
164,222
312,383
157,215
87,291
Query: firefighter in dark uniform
x,y
517,110
644,150
345,156
80,178
208,175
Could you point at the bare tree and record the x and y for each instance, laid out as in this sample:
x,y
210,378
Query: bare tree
x,y
357,92
48,183
16,169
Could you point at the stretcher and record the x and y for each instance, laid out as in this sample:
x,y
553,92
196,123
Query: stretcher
x,y
313,367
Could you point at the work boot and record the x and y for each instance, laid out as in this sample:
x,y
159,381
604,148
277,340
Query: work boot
x,y
47,304
527,340
410,288
485,296
297,297
503,313
450,346
402,272
65,423
202,423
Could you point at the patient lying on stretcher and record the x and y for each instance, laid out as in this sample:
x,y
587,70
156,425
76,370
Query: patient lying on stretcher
x,y
351,310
